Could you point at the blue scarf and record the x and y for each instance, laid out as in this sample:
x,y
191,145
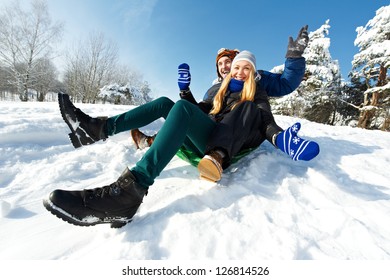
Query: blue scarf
x,y
236,85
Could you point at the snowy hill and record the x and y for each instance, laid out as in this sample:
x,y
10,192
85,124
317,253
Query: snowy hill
x,y
266,207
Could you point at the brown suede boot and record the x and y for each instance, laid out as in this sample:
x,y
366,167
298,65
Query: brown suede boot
x,y
141,140
210,167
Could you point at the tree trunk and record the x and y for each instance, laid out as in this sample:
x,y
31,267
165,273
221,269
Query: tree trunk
x,y
382,76
366,116
40,96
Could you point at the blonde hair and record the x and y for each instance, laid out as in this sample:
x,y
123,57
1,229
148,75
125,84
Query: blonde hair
x,y
247,93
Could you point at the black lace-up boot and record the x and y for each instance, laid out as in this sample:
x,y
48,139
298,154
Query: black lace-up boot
x,y
115,204
85,130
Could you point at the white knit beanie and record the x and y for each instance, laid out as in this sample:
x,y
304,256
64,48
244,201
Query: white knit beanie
x,y
247,56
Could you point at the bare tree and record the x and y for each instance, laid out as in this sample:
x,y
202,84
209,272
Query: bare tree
x,y
26,36
90,67
43,78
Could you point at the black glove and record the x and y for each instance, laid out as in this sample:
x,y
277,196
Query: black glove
x,y
295,48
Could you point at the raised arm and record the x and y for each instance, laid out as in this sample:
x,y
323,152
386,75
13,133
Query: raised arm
x,y
294,68
183,82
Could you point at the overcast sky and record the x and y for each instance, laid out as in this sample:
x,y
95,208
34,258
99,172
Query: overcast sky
x,y
155,36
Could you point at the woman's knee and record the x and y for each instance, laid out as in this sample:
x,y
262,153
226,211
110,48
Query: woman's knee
x,y
165,101
164,105
183,104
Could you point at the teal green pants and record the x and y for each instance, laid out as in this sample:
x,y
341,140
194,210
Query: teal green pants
x,y
185,125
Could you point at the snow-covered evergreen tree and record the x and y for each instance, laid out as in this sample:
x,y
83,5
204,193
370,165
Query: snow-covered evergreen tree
x,y
129,94
315,99
370,67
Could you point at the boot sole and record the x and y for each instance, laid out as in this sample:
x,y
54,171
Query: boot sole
x,y
209,170
74,138
65,216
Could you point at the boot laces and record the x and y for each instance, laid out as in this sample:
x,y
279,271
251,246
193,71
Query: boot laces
x,y
111,190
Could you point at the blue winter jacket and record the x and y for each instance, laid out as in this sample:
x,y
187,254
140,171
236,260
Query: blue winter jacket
x,y
277,85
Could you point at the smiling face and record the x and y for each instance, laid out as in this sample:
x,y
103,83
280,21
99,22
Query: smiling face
x,y
224,65
241,70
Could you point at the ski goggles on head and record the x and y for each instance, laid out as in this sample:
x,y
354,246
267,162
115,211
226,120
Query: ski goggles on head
x,y
227,52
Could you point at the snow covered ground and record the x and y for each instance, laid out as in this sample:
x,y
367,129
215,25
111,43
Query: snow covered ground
x,y
266,207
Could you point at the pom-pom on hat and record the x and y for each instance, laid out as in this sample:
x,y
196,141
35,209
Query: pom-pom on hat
x,y
247,56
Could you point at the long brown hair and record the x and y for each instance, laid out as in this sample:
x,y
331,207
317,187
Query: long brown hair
x,y
247,93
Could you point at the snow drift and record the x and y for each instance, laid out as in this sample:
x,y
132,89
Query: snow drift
x,y
265,207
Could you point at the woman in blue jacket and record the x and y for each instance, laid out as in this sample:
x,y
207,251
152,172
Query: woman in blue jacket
x,y
184,123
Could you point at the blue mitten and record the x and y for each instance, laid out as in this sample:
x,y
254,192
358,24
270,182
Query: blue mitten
x,y
296,147
184,78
